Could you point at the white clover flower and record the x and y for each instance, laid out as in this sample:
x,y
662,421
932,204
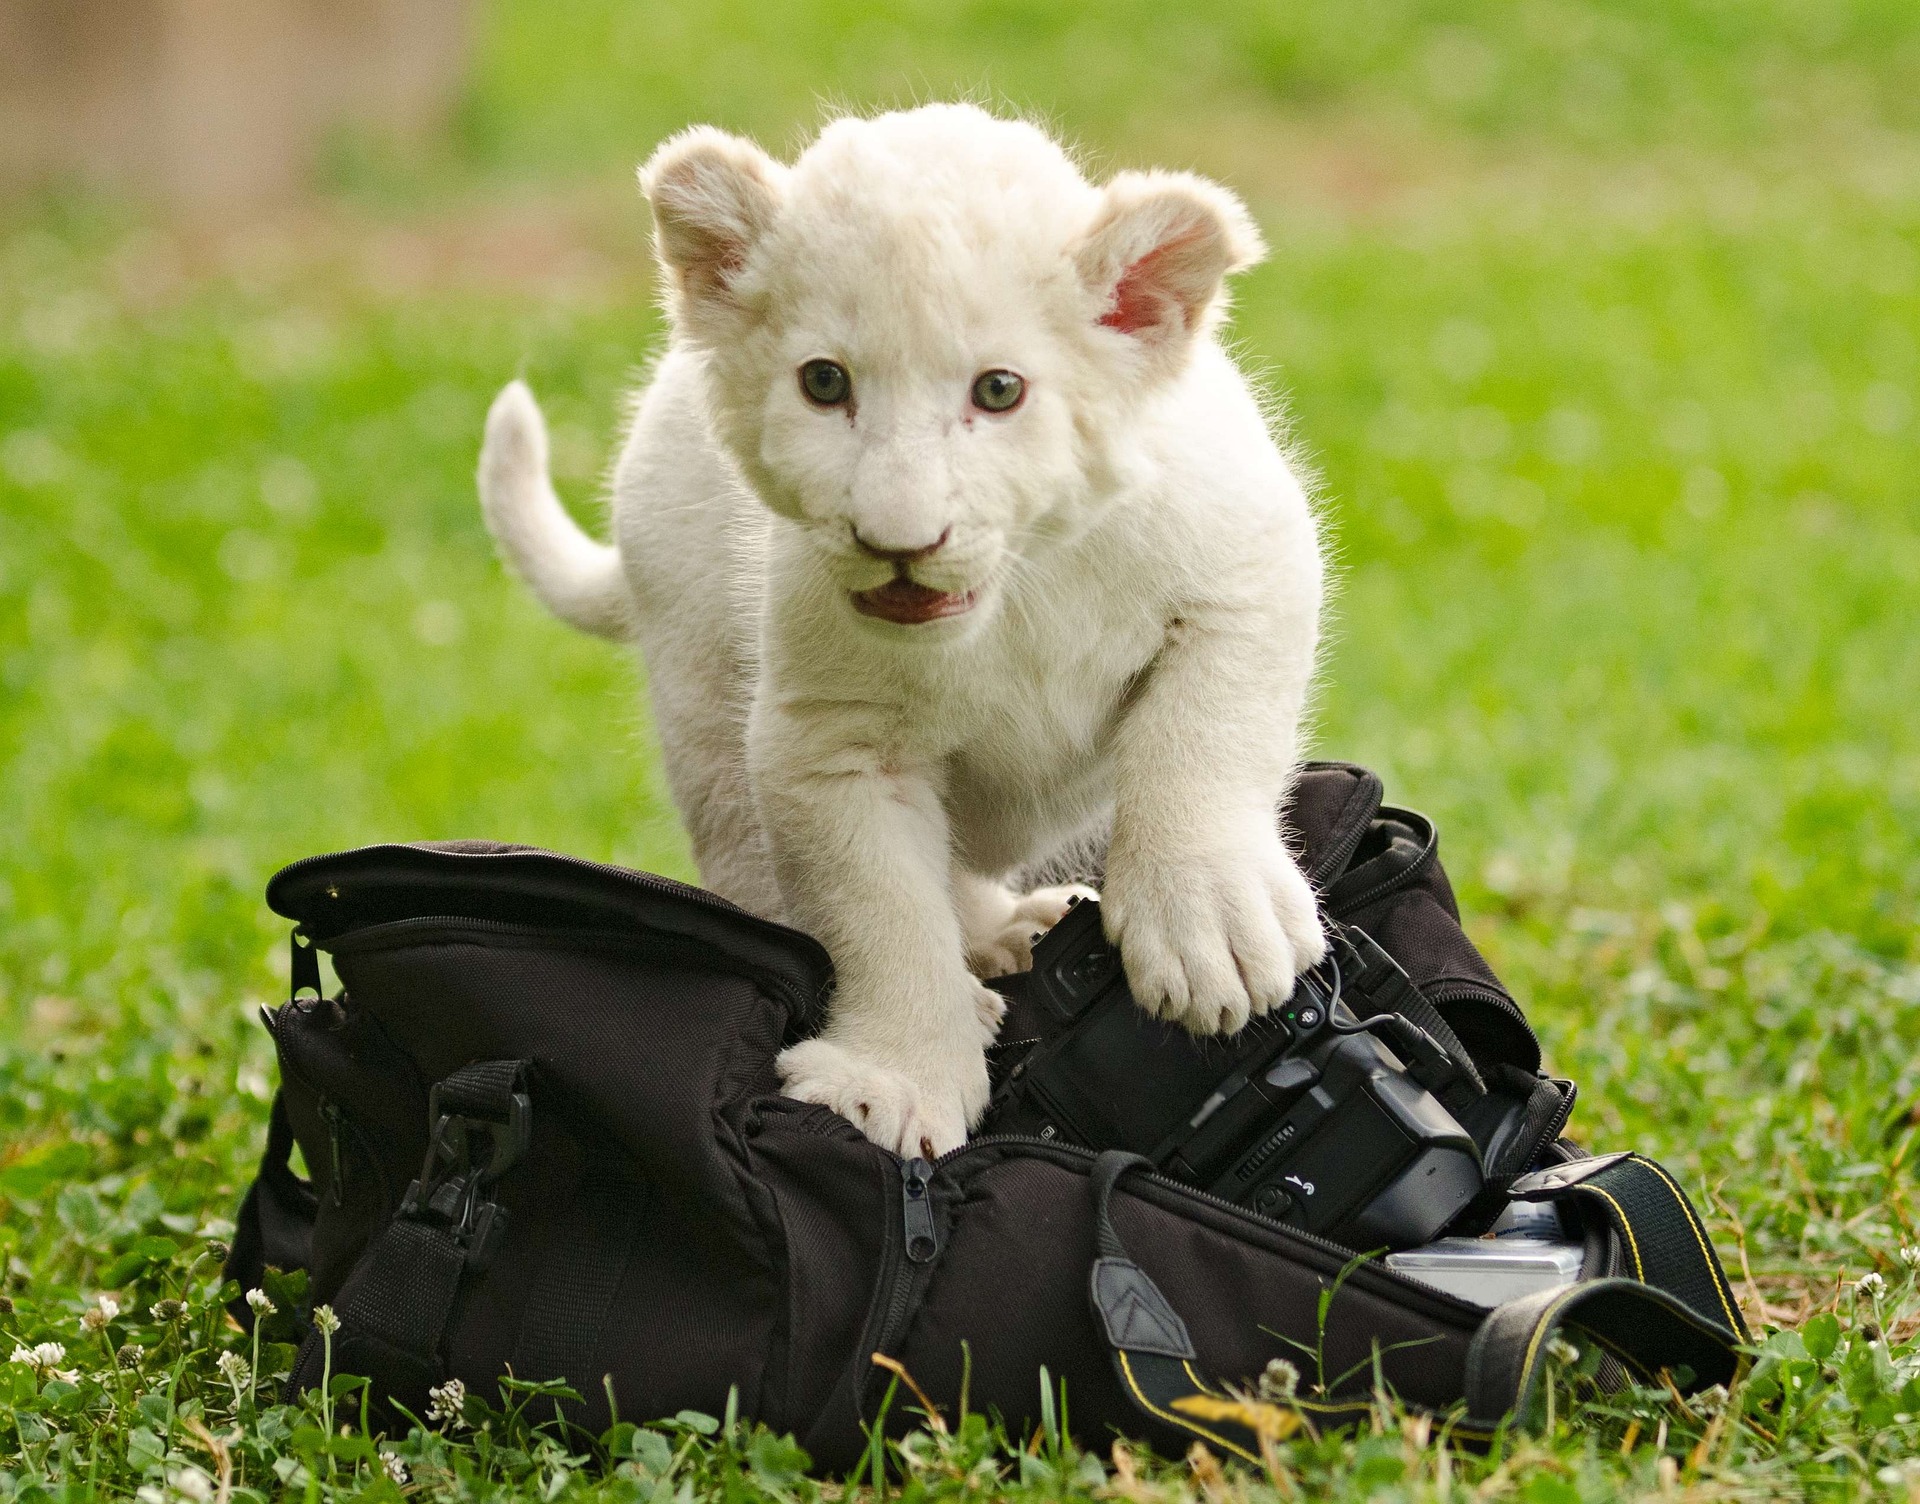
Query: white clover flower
x,y
1709,1401
1279,1381
261,1302
1910,1255
1562,1351
235,1370
1872,1285
96,1316
447,1402
192,1484
324,1321
167,1310
42,1359
396,1469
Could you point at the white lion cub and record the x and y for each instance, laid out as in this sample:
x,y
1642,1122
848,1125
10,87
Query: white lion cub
x,y
951,534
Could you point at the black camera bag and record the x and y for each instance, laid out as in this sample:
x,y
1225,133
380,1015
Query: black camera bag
x,y
616,1193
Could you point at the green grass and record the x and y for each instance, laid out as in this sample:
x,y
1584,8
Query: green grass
x,y
1601,325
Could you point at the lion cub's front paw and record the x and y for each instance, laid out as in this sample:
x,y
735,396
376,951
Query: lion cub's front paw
x,y
895,1110
998,945
990,1008
1213,937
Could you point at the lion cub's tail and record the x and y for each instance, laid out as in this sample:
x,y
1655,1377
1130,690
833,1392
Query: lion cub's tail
x,y
578,579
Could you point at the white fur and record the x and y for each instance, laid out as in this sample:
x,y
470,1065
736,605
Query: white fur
x,y
1147,569
580,580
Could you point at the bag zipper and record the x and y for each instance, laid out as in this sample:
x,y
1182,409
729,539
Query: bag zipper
x,y
1334,859
651,882
1555,1125
339,1124
908,1276
336,1168
369,937
1166,1182
916,1200
1479,992
919,1246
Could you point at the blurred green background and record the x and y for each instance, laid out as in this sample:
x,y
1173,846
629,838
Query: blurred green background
x,y
1599,323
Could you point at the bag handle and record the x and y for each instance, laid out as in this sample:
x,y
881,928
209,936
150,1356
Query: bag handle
x,y
1647,1326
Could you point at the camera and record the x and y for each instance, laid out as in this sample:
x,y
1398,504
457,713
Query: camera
x,y
1322,1114
1526,1251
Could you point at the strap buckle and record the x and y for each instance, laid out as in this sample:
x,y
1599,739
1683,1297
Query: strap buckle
x,y
466,1156
1544,1185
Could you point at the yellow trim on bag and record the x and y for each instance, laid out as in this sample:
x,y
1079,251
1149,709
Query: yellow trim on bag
x,y
1540,1330
1126,1368
1633,1245
1350,1408
1734,1323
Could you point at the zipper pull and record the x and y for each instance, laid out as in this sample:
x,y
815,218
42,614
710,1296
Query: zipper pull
x,y
335,1170
916,1202
305,972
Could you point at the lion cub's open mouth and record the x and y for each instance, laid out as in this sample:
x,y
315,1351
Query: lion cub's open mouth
x,y
909,603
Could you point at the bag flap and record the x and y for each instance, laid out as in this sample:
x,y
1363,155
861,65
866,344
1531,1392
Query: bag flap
x,y
1327,815
349,890
1395,849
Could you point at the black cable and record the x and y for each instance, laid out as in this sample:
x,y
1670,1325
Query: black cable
x,y
1425,1055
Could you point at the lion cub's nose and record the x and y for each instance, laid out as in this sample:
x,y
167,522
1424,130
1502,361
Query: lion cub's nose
x,y
902,555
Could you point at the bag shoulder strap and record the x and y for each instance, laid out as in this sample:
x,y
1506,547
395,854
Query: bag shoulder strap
x,y
1153,1355
1646,1326
1662,1240
1675,1310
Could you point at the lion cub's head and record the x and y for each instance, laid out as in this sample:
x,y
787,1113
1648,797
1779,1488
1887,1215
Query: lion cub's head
x,y
919,334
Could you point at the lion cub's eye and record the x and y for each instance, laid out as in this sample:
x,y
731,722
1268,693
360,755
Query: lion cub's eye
x,y
998,391
826,383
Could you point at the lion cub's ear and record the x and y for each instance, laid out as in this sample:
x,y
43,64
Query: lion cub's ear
x,y
713,196
1158,252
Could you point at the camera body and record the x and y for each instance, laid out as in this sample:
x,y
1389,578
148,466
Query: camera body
x,y
1304,1116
